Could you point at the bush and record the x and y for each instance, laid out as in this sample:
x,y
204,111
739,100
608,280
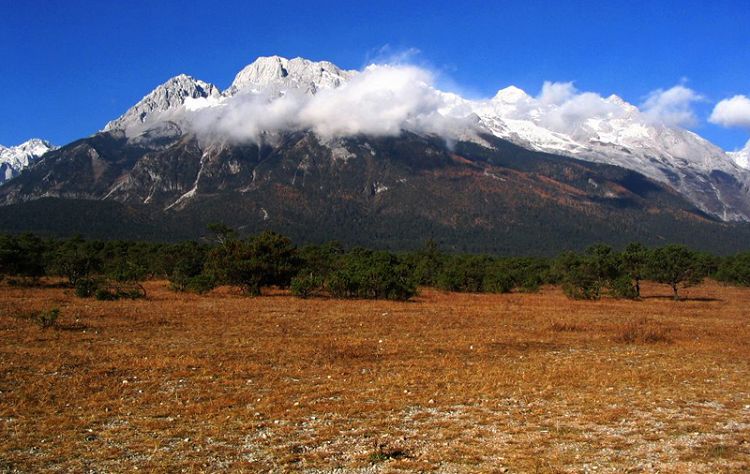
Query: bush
x,y
306,284
183,265
115,290
498,281
264,260
581,289
106,294
22,255
374,275
735,270
47,319
87,287
464,274
200,284
74,259
585,276
624,288
531,284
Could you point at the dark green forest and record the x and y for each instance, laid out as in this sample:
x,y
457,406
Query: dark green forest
x,y
116,268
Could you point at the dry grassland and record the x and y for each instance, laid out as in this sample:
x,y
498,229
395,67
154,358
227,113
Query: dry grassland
x,y
446,383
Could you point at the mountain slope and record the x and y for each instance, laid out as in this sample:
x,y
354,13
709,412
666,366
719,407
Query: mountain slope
x,y
389,192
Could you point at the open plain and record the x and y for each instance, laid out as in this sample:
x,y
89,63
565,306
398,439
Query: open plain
x,y
446,383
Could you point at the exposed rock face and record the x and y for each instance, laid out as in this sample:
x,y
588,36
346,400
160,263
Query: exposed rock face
x,y
158,103
276,74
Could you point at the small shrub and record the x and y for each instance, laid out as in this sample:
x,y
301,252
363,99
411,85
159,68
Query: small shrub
x,y
582,290
106,294
86,287
47,319
371,275
624,288
498,282
643,331
201,284
306,285
558,326
383,453
530,284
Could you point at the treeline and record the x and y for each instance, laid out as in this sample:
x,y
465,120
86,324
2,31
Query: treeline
x,y
116,269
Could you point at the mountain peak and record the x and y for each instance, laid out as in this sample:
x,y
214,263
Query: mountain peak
x,y
169,95
511,95
14,159
277,74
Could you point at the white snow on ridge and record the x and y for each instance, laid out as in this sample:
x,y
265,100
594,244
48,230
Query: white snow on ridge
x,y
14,159
742,157
167,97
275,74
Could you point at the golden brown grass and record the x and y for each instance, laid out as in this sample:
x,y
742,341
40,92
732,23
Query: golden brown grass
x,y
447,382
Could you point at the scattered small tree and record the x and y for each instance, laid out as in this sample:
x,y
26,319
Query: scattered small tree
x,y
263,260
676,265
735,269
75,259
634,266
23,256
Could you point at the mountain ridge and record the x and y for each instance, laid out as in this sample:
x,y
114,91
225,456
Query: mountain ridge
x,y
381,157
712,179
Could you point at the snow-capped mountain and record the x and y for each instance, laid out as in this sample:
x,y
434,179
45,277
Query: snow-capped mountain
x,y
16,158
167,97
558,121
742,157
276,74
619,134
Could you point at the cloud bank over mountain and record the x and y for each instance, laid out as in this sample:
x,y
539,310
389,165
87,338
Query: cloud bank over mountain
x,y
380,100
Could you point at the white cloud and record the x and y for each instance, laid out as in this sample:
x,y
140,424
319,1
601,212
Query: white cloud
x,y
562,108
572,113
672,107
556,93
733,112
388,98
381,100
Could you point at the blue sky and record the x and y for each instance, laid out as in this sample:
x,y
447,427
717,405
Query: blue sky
x,y
69,66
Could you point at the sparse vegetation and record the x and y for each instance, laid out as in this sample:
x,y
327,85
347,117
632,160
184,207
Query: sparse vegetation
x,y
446,382
117,269
46,318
